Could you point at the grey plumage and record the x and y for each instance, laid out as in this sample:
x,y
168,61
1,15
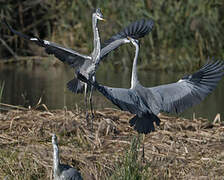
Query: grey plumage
x,y
146,103
74,59
135,30
190,90
87,65
62,171
81,62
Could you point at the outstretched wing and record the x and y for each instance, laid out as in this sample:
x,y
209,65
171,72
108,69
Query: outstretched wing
x,y
190,90
69,56
125,99
135,30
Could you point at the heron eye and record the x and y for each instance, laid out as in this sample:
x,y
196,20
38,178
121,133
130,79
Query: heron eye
x,y
98,11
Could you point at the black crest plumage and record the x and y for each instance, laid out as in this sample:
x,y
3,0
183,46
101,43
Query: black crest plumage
x,y
135,30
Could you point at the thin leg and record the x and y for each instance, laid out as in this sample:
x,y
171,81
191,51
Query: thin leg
x,y
91,105
143,147
86,106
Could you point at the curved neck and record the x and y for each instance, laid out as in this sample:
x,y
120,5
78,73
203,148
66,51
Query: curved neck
x,y
56,160
134,77
96,40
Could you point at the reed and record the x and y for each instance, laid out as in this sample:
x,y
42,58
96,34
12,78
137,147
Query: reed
x,y
1,90
180,148
130,167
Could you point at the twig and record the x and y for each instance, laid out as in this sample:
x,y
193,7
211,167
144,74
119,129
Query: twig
x,y
13,106
217,119
9,49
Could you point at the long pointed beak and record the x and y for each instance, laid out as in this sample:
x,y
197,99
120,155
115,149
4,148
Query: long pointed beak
x,y
128,38
102,19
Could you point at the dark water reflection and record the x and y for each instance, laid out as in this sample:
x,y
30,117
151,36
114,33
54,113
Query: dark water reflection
x,y
25,85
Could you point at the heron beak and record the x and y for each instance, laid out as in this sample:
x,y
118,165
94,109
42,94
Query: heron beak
x,y
129,39
102,19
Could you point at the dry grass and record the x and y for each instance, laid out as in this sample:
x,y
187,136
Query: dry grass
x,y
180,148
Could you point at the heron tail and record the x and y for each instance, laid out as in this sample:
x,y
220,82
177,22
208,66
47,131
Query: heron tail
x,y
144,124
76,86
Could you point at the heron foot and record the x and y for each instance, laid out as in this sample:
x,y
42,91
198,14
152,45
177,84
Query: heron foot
x,y
143,155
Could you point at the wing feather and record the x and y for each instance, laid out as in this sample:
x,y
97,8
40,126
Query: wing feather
x,y
135,30
190,90
125,99
67,55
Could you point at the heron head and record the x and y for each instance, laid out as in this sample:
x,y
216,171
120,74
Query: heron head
x,y
99,14
54,139
135,42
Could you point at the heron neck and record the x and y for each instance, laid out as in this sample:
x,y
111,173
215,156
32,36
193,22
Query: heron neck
x,y
96,40
56,160
134,78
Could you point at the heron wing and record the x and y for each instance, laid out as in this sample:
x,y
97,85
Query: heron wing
x,y
136,30
125,99
75,85
190,90
67,55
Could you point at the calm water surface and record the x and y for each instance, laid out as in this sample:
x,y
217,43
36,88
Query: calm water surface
x,y
25,85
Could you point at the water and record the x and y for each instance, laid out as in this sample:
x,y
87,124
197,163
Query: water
x,y
25,85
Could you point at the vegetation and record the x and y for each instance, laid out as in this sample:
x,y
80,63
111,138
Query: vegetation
x,y
186,33
1,90
130,167
179,149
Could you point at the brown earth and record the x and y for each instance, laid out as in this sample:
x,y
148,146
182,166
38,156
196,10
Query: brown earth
x,y
178,149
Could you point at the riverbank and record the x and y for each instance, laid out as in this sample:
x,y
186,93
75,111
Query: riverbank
x,y
180,148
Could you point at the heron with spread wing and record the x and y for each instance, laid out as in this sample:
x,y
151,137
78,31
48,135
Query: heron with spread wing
x,y
87,65
146,103
82,63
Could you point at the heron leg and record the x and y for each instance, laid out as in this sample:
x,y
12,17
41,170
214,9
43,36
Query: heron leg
x,y
143,147
91,105
86,106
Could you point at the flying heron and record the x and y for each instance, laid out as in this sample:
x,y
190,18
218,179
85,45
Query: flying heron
x,y
87,65
147,103
62,171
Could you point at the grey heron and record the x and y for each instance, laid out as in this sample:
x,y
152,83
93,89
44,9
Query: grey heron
x,y
87,65
62,171
147,103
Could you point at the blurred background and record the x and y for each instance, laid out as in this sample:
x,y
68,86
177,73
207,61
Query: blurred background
x,y
185,34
